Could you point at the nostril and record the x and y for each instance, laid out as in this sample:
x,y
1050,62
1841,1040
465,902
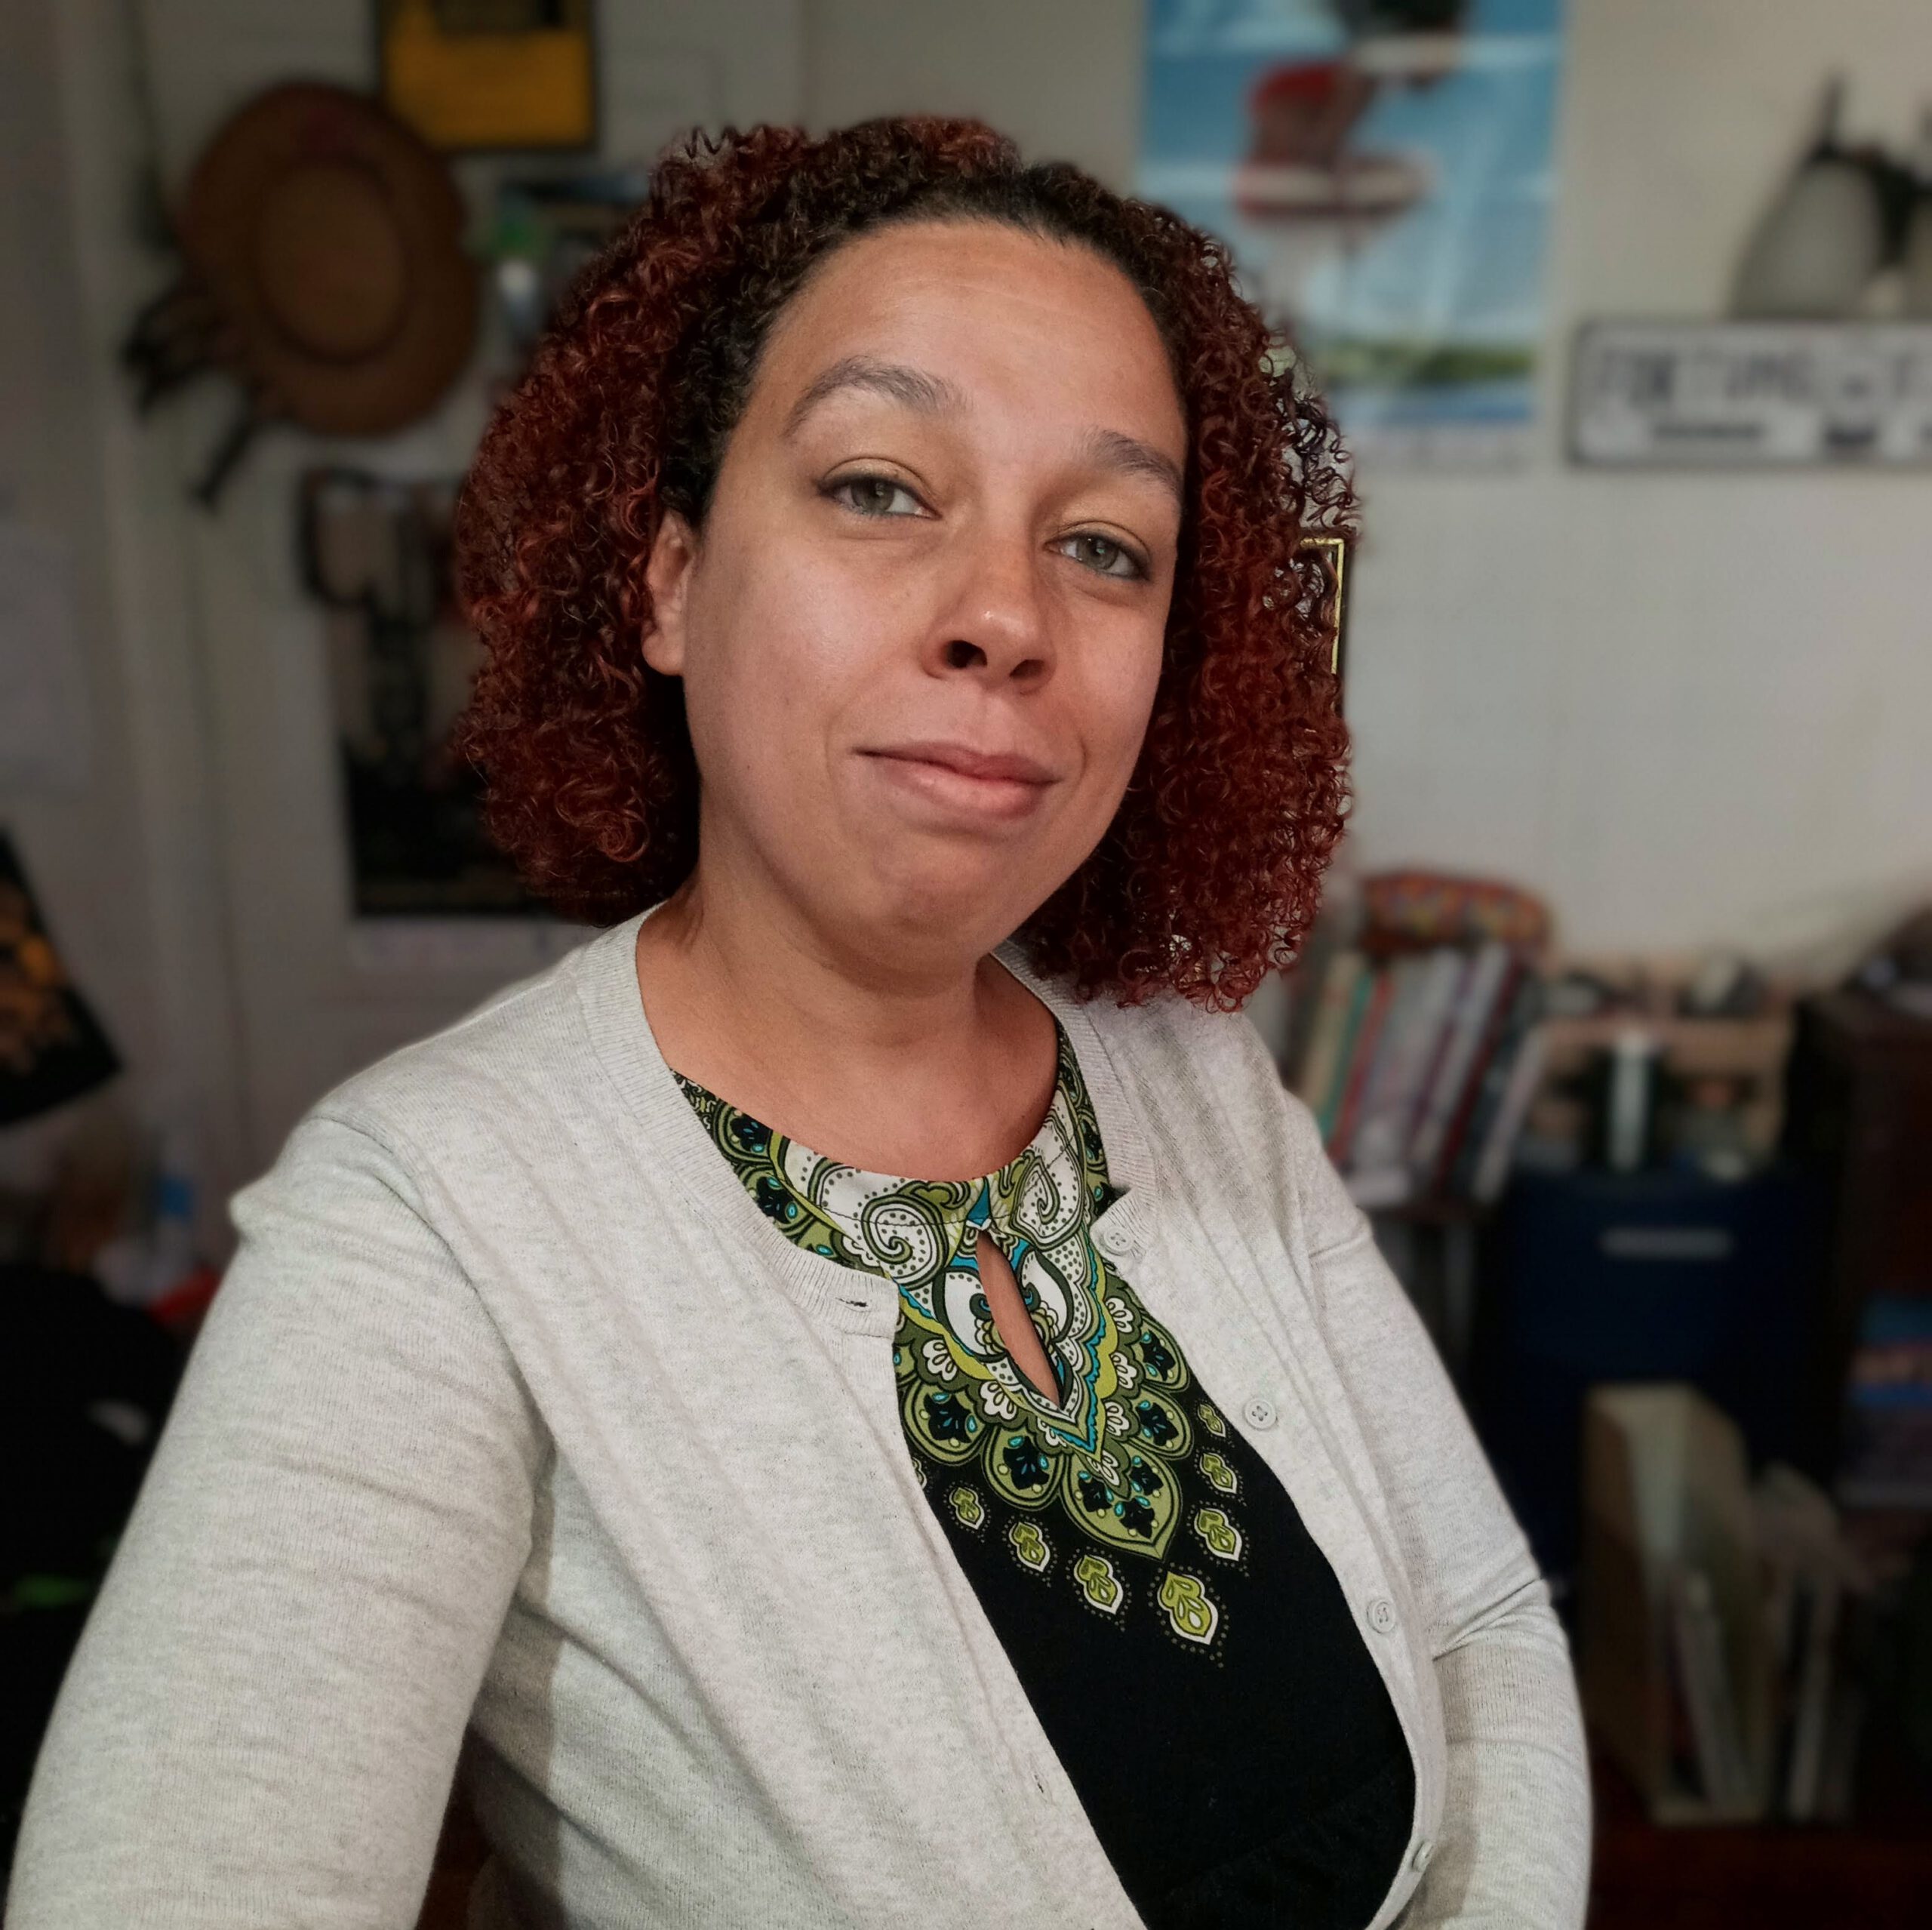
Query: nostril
x,y
961,654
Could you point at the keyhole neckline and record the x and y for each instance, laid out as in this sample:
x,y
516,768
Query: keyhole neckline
x,y
984,1229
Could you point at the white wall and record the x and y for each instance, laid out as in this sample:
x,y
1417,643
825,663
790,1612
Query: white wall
x,y
1061,77
130,906
1690,709
228,813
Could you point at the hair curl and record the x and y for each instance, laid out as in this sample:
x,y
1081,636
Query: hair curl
x,y
1209,875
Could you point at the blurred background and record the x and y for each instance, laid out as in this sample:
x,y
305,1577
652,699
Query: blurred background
x,y
1619,1017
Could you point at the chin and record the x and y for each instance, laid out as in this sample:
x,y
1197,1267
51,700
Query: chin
x,y
965,899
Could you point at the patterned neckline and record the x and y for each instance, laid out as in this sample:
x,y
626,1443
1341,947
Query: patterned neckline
x,y
620,1034
920,1234
1130,1452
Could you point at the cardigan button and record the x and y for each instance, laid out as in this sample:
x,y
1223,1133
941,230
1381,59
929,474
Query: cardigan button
x,y
1382,1616
1115,1239
1424,1850
1259,1413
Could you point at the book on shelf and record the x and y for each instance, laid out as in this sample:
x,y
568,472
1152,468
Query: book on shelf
x,y
1406,1062
1480,1151
1365,1047
1799,1543
1887,1455
1490,1173
1482,1085
1703,1672
1454,985
1729,1626
1485,980
1424,993
1338,1010
1674,1651
1819,1595
1419,1007
1402,978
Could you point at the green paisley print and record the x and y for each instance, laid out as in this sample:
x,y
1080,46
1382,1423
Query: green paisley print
x,y
1116,1480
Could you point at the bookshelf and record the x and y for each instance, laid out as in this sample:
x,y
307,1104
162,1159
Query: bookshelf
x,y
1751,1052
1860,1118
1876,1875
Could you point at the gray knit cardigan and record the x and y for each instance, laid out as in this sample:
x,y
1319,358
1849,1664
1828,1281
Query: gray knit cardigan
x,y
515,1417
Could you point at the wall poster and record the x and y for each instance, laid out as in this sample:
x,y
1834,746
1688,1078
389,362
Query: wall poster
x,y
1384,171
493,75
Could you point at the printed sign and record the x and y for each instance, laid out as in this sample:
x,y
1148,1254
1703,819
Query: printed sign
x,y
1753,394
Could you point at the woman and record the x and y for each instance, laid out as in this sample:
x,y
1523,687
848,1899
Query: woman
x,y
858,1388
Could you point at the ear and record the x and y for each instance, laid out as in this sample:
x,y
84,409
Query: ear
x,y
667,575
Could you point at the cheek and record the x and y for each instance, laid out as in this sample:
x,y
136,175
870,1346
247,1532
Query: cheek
x,y
835,623
779,644
1123,698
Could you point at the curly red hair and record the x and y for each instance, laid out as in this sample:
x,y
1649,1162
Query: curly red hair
x,y
1209,875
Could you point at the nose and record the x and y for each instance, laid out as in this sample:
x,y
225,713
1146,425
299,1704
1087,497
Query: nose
x,y
996,622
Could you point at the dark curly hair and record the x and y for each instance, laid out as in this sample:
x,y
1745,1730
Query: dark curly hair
x,y
1209,874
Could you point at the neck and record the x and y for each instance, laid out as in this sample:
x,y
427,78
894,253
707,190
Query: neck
x,y
890,1051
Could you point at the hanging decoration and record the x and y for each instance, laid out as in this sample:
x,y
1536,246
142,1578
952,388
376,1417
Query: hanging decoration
x,y
323,268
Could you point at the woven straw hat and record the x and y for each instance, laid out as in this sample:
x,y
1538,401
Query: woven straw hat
x,y
327,237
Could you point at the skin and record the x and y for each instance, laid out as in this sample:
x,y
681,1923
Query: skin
x,y
951,512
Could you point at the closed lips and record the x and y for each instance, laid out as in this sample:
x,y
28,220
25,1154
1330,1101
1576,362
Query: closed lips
x,y
1006,766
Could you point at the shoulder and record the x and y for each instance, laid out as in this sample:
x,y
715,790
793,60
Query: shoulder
x,y
410,1147
1212,1067
407,1196
1201,1085
1212,1103
514,1057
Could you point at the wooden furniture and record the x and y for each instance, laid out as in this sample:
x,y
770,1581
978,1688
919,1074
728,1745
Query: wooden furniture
x,y
1752,1051
1858,1113
1876,1875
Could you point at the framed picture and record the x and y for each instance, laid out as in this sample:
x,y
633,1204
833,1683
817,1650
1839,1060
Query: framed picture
x,y
1334,553
376,554
543,231
497,75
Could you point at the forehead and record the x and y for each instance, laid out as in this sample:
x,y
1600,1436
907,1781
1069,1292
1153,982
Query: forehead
x,y
1035,326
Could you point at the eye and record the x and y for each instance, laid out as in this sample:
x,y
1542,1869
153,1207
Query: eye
x,y
874,496
1103,555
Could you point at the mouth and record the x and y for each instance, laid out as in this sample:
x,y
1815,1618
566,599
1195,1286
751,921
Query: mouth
x,y
982,784
1008,766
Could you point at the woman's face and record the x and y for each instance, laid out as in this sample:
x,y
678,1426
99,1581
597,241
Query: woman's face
x,y
943,530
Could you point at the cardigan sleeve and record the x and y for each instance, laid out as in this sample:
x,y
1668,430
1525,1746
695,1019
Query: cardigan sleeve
x,y
1513,1853
262,1721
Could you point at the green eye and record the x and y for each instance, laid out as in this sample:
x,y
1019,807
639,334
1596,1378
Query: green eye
x,y
874,495
1104,556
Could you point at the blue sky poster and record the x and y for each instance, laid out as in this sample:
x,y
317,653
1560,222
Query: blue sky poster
x,y
1384,171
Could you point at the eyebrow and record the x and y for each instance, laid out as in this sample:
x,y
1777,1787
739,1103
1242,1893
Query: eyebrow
x,y
1128,455
932,394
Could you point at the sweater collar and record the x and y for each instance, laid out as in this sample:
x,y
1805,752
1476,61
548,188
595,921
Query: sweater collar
x,y
859,1302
